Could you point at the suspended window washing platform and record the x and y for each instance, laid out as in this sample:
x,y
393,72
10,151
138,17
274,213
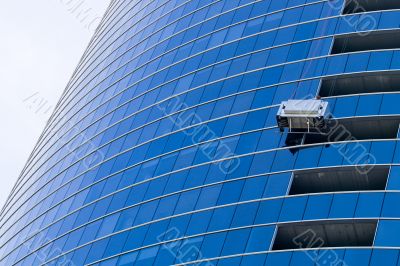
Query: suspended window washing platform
x,y
303,116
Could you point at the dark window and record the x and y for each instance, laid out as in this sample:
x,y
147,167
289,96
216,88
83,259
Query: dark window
x,y
372,41
360,128
359,6
338,179
360,83
325,234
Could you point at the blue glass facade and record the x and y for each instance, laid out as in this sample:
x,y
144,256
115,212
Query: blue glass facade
x,y
164,147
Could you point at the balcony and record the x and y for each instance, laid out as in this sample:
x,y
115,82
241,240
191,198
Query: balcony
x,y
338,179
359,6
360,84
378,40
302,235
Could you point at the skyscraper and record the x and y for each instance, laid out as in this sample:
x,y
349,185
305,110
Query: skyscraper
x,y
165,146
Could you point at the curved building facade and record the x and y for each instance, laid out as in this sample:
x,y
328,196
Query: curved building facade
x,y
164,148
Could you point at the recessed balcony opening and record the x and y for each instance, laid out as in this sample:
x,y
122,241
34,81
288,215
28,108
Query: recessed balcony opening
x,y
359,6
360,83
373,41
313,235
361,128
338,179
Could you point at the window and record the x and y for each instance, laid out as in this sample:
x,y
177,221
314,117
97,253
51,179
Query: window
x,y
259,239
338,179
360,6
325,234
357,256
235,242
359,129
384,257
387,234
373,41
318,207
360,83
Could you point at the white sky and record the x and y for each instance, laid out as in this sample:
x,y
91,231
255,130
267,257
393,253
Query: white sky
x,y
41,43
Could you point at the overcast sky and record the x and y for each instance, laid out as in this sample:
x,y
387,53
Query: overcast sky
x,y
41,43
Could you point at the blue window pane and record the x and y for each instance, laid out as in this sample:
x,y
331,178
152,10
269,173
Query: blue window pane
x,y
284,160
245,214
147,256
235,242
164,256
389,105
389,205
221,218
299,51
336,65
386,257
383,151
116,244
305,258
395,64
308,157
254,188
343,205
260,239
394,178
345,106
369,105
96,251
230,192
369,204
380,60
268,211
330,156
329,256
272,75
187,201
212,245
199,223
389,20
135,238
357,256
318,207
357,62
277,185
189,249
293,209
278,258
387,233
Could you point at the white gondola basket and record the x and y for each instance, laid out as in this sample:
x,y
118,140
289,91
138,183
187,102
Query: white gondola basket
x,y
303,115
